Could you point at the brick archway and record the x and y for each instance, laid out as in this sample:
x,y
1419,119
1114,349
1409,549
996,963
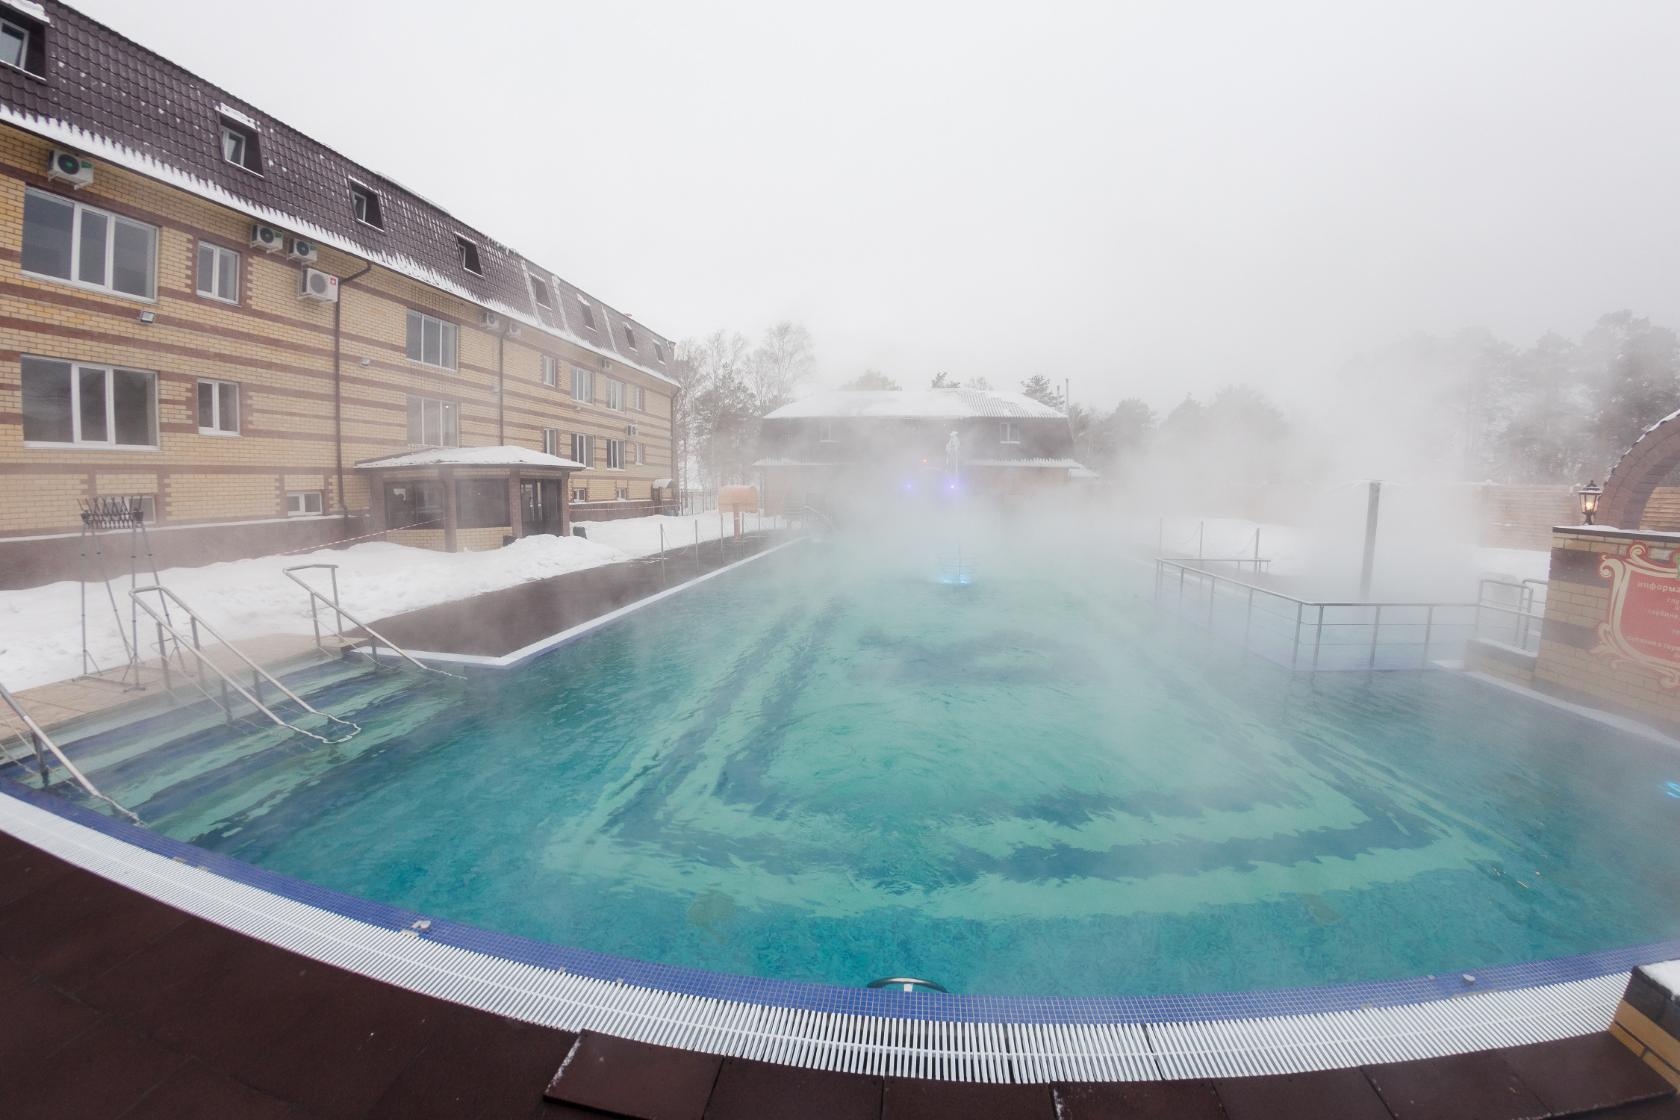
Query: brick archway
x,y
1648,464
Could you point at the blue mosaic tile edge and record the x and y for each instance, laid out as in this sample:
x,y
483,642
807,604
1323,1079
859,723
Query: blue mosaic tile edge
x,y
863,1001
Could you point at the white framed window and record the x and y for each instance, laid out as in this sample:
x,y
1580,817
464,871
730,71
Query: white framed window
x,y
583,449
580,493
433,423
825,432
145,505
1009,432
615,394
469,255
588,313
583,385
539,289
622,491
551,441
69,404
431,341
659,350
14,44
638,398
629,336
303,503
218,273
615,454
239,146
92,248
218,408
550,370
364,203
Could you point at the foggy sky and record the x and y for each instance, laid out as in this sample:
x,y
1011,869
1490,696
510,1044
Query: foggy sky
x,y
1147,199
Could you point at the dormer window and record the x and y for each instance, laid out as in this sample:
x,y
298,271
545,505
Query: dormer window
x,y
469,256
588,314
629,336
21,44
364,200
239,146
539,289
659,350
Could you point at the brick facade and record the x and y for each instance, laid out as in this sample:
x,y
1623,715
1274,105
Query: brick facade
x,y
304,418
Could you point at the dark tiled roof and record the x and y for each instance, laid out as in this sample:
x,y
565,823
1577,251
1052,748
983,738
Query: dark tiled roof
x,y
100,83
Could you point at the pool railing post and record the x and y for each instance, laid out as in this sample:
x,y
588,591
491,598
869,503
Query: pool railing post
x,y
1376,629
163,655
1318,637
1248,618
1429,631
1295,647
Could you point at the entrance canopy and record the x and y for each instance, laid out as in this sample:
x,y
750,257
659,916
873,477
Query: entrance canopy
x,y
455,498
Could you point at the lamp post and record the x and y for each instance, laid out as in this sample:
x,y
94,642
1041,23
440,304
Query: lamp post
x,y
1589,501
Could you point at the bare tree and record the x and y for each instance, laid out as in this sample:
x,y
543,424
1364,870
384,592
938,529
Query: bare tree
x,y
781,363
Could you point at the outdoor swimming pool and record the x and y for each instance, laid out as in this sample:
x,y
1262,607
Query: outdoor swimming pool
x,y
836,764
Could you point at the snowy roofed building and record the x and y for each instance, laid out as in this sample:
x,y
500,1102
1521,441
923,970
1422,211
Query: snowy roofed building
x,y
865,443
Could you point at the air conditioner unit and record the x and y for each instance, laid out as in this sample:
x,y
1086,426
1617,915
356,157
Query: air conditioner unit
x,y
319,286
606,362
70,168
267,238
302,250
630,429
513,330
492,321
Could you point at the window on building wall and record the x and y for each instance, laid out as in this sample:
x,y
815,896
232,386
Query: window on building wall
x,y
588,313
469,256
580,493
825,432
615,394
481,503
430,340
145,505
622,491
1009,432
364,202
583,384
629,336
218,273
414,505
73,404
583,449
659,350
640,451
638,398
550,370
551,441
303,503
615,454
539,289
79,244
218,408
433,423
240,146
20,44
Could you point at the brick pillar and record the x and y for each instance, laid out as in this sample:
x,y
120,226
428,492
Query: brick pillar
x,y
516,507
565,505
450,511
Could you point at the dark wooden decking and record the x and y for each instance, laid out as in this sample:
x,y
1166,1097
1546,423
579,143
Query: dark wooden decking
x,y
499,622
115,1005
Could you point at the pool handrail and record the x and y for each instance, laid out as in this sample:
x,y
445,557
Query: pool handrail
x,y
258,673
40,739
375,636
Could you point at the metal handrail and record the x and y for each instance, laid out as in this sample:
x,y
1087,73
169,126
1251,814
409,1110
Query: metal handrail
x,y
42,739
315,619
258,673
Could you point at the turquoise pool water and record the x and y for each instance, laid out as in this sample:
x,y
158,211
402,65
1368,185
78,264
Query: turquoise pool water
x,y
829,765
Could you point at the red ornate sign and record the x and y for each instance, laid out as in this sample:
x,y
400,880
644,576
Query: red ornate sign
x,y
1644,624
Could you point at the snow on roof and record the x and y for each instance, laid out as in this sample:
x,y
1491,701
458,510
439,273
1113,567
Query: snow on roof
x,y
501,456
1031,463
28,8
915,404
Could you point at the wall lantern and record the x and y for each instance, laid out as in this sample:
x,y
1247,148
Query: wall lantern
x,y
1589,501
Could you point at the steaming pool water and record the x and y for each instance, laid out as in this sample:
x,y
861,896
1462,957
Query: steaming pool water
x,y
832,766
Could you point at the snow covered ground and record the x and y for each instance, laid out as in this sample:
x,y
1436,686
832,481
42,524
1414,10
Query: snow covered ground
x,y
40,637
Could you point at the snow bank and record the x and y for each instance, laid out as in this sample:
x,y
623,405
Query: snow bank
x,y
40,633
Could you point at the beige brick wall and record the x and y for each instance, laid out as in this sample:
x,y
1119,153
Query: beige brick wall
x,y
279,349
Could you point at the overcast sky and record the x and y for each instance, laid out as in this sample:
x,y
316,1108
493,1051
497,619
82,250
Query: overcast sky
x,y
1147,199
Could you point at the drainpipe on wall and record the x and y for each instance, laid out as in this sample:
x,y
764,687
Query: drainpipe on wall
x,y
501,397
338,382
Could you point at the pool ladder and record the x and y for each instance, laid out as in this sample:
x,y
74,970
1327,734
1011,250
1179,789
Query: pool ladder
x,y
43,745
184,644
375,638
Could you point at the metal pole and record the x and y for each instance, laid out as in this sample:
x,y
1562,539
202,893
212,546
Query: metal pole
x,y
1295,647
1201,534
1257,550
1248,619
1376,629
1318,637
1428,631
1370,539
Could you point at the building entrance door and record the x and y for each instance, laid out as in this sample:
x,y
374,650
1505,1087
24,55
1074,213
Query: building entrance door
x,y
541,499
